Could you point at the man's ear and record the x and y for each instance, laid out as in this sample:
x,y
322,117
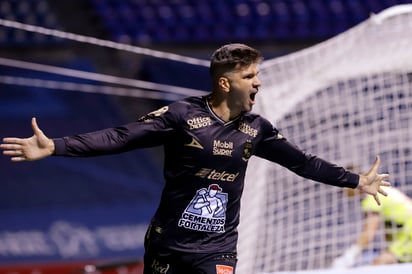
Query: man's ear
x,y
224,84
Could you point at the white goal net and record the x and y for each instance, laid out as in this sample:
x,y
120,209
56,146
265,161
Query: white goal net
x,y
346,100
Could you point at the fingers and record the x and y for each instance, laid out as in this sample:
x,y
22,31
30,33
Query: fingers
x,y
11,145
377,160
13,150
384,176
375,166
378,201
383,192
19,157
35,127
24,149
8,141
385,183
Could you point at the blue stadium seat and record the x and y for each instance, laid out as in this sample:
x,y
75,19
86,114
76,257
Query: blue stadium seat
x,y
30,12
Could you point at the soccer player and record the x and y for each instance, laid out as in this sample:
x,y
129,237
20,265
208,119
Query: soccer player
x,y
395,213
207,142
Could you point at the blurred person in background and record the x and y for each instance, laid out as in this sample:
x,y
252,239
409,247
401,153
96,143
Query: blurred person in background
x,y
395,214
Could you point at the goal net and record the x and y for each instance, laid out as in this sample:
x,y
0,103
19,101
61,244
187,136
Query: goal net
x,y
346,100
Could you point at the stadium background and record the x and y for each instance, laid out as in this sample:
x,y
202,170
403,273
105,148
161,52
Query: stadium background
x,y
61,214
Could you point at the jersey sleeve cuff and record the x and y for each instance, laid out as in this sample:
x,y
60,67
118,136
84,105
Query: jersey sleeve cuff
x,y
59,146
353,180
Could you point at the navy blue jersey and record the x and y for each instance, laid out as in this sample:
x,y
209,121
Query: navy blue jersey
x,y
204,169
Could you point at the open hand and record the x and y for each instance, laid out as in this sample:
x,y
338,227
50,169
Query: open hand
x,y
372,181
33,148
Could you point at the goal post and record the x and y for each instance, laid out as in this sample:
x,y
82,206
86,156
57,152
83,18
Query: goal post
x,y
346,100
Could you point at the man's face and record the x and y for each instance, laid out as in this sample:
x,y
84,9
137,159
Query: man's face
x,y
244,84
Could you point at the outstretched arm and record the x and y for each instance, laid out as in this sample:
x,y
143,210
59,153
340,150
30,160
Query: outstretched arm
x,y
33,148
370,226
372,182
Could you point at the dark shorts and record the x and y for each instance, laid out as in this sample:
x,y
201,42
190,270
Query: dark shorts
x,y
161,261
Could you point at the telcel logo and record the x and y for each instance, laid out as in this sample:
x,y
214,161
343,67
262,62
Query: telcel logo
x,y
217,176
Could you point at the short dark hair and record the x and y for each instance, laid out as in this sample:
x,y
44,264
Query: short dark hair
x,y
227,57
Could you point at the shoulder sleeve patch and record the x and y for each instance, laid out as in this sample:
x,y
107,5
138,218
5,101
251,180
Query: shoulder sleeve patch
x,y
148,117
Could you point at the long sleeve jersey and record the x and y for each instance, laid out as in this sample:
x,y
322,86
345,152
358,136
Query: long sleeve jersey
x,y
204,169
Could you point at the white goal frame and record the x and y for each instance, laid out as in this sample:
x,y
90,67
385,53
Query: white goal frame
x,y
346,100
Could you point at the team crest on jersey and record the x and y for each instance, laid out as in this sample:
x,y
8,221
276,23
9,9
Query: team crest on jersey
x,y
206,212
247,151
148,117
